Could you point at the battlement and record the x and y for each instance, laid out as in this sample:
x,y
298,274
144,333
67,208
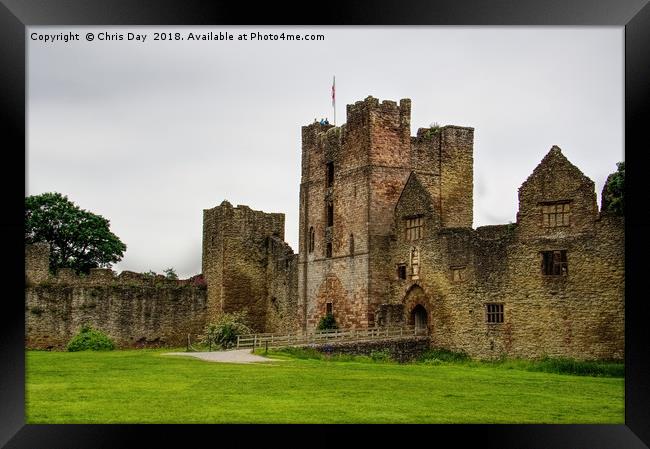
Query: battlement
x,y
371,112
434,133
240,218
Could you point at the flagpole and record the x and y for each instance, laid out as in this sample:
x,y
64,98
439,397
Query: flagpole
x,y
334,98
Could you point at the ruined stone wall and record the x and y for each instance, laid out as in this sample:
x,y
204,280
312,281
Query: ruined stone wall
x,y
282,314
579,314
133,309
247,266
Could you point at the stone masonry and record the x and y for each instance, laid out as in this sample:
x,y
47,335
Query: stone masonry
x,y
131,308
385,238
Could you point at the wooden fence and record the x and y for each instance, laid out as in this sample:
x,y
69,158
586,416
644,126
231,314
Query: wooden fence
x,y
320,337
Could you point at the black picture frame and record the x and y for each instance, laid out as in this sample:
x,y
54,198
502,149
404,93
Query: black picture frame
x,y
16,15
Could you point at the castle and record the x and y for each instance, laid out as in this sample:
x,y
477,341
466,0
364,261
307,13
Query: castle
x,y
386,238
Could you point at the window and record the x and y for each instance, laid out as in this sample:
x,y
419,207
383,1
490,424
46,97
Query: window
x,y
328,307
457,274
312,238
328,249
351,244
401,271
494,313
554,263
330,174
414,228
330,213
555,214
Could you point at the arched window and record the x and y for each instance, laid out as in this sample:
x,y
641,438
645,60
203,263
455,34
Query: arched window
x,y
351,244
311,239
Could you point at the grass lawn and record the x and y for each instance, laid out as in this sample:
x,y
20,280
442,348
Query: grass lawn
x,y
144,386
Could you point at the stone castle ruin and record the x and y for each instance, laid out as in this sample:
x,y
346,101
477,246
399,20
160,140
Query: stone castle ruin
x,y
385,238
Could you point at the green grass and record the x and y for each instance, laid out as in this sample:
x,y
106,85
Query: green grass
x,y
144,386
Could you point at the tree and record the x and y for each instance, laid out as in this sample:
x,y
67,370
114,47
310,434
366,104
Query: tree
x,y
614,191
170,273
78,239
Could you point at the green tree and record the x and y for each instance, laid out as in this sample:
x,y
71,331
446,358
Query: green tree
x,y
78,239
614,191
170,273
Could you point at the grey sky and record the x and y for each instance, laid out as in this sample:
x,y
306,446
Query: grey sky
x,y
150,134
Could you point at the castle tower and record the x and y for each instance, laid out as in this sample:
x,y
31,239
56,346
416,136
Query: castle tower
x,y
235,259
352,177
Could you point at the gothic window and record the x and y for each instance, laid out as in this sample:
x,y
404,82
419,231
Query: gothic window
x,y
330,213
351,244
328,249
414,228
494,313
555,263
330,174
401,271
329,308
312,238
555,214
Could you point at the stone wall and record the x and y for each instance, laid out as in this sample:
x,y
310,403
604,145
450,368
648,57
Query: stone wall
x,y
248,266
578,314
373,156
402,350
133,309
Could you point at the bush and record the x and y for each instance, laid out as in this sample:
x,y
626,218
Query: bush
x,y
89,339
226,329
327,322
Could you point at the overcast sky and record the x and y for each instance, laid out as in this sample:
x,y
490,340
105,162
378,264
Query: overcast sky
x,y
148,134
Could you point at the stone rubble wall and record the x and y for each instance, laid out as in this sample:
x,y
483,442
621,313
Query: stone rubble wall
x,y
135,310
403,350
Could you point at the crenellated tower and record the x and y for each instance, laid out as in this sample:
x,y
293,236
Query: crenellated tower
x,y
352,178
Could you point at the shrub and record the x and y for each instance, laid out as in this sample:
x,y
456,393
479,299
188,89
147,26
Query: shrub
x,y
226,329
90,339
327,322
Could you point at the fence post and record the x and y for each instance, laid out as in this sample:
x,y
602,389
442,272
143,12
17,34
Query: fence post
x,y
237,341
254,341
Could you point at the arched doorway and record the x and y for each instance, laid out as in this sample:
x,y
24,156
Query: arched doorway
x,y
419,319
416,309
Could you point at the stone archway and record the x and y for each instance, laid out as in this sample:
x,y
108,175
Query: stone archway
x,y
417,308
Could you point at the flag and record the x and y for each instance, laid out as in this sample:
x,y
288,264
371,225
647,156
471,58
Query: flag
x,y
334,92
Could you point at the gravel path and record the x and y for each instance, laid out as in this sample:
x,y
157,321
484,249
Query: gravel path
x,y
233,356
